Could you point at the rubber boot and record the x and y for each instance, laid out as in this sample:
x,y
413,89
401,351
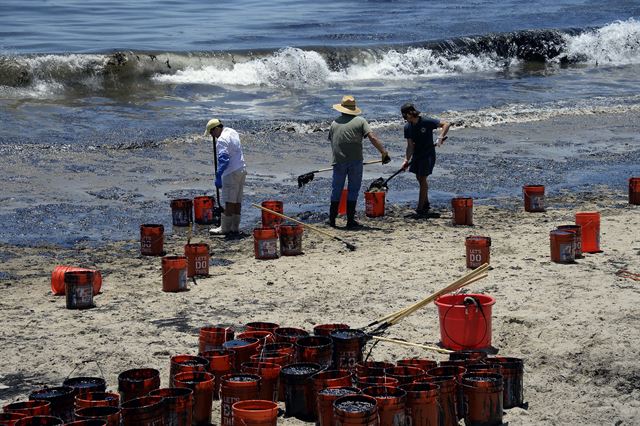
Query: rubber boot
x,y
225,226
333,213
351,216
235,224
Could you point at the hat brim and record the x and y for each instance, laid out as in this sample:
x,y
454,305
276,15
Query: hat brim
x,y
339,107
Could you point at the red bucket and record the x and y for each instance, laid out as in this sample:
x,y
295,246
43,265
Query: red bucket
x,y
263,336
577,230
178,405
422,406
203,208
243,349
590,222
318,349
9,419
478,251
270,220
372,368
269,372
197,255
39,421
342,205
174,274
465,326
483,398
255,413
109,414
212,337
562,245
326,398
97,399
634,190
462,209
137,382
221,362
234,388
151,240
291,240
391,403
326,329
146,410
184,363
182,212
374,203
261,325
29,408
425,364
202,384
78,289
265,243
533,198
347,348
57,279
356,410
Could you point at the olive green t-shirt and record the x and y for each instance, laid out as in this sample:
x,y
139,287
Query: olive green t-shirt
x,y
346,134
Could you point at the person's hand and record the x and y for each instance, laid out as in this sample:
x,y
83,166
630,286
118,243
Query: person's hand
x,y
385,157
405,164
440,141
218,180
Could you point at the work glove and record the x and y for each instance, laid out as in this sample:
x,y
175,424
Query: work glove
x,y
218,180
385,157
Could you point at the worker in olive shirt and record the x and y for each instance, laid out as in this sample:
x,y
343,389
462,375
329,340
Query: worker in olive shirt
x,y
346,134
421,151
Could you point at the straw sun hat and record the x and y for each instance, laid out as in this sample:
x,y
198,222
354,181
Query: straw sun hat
x,y
348,106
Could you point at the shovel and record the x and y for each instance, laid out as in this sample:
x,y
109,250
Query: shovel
x,y
308,177
380,184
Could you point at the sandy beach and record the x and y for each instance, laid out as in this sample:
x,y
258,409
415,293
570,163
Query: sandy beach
x,y
575,326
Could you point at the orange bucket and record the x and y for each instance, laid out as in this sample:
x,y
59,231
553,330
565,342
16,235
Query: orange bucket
x,y
39,421
234,388
342,205
151,240
261,325
263,336
326,329
182,212
318,349
202,384
422,406
590,222
374,203
465,325
57,279
178,404
97,399
356,410
10,419
447,397
203,210
197,255
270,220
109,414
265,243
425,364
483,398
533,198
212,337
404,373
243,349
174,273
291,240
462,211
221,362
367,381
137,382
577,230
372,368
78,289
184,363
562,246
634,190
391,403
478,251
146,410
326,398
29,408
269,372
255,413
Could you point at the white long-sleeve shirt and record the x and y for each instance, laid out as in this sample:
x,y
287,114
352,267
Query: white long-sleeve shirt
x,y
229,143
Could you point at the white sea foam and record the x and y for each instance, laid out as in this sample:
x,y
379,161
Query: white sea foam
x,y
615,44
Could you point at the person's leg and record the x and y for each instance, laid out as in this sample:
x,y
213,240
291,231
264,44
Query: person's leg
x,y
355,181
337,183
423,194
229,194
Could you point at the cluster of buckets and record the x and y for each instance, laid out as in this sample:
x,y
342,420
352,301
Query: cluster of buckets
x,y
321,376
275,237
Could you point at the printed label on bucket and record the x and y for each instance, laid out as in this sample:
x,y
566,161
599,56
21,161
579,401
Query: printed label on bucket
x,y
537,202
180,218
202,264
267,248
566,252
348,360
292,244
227,410
182,279
475,257
146,244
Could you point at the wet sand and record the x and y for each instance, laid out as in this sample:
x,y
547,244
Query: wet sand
x,y
575,326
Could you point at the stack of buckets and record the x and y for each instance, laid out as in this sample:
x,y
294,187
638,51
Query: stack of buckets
x,y
274,231
568,242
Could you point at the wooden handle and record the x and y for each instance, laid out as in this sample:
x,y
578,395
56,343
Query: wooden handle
x,y
413,345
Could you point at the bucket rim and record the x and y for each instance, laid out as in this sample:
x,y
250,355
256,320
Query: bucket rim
x,y
485,299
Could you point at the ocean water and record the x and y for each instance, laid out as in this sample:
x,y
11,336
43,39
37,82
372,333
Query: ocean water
x,y
98,100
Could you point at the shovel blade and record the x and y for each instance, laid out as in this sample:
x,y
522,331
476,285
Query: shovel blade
x,y
304,179
377,184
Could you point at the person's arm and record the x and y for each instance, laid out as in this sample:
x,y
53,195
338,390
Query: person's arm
x,y
444,129
378,144
408,154
222,146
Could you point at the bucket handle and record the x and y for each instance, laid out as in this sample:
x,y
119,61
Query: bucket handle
x,y
467,301
87,361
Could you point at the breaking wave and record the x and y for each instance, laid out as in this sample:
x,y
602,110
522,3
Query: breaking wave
x,y
615,44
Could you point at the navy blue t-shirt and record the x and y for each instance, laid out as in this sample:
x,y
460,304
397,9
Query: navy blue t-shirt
x,y
421,134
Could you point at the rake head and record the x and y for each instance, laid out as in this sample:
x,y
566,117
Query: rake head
x,y
304,179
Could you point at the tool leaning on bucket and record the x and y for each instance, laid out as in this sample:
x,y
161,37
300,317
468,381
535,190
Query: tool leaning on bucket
x,y
306,225
308,177
393,318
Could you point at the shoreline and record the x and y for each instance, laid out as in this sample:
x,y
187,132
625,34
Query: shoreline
x,y
574,325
